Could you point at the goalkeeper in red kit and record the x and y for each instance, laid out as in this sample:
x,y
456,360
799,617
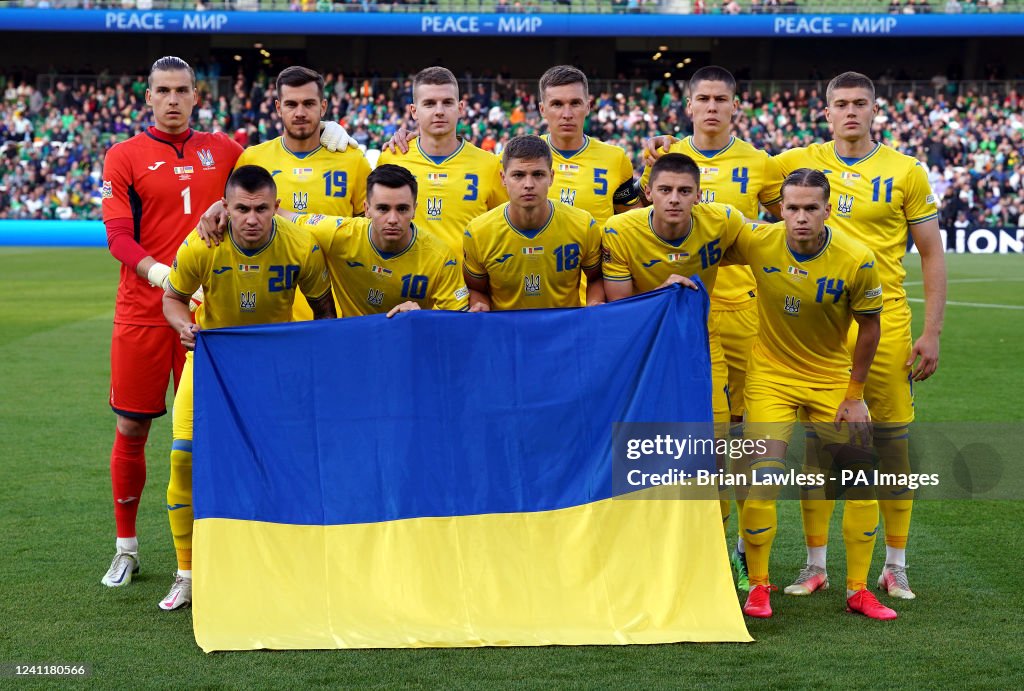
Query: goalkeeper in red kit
x,y
155,187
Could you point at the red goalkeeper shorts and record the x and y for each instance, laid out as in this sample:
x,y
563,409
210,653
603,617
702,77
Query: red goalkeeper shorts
x,y
142,361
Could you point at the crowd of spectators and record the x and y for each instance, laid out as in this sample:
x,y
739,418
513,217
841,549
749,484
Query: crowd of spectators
x,y
52,143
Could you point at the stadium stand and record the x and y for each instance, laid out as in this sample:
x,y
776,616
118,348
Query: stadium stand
x,y
971,136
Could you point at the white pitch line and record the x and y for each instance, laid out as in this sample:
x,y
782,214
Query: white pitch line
x,y
975,304
969,280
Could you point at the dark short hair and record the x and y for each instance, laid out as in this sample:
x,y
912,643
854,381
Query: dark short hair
x,y
170,63
435,76
807,177
675,163
251,179
713,73
525,147
562,75
849,80
299,76
391,176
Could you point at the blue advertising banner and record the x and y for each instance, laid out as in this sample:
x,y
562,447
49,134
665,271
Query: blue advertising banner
x,y
92,234
424,24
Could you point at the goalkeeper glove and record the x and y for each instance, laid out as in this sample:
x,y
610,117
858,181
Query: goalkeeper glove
x,y
335,138
196,301
158,275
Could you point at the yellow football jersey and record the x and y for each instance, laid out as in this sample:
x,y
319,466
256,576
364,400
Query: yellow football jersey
x,y
537,268
874,199
320,181
633,251
734,175
588,178
243,286
452,190
369,281
805,304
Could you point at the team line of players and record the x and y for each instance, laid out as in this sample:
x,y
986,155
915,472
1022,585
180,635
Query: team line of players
x,y
538,229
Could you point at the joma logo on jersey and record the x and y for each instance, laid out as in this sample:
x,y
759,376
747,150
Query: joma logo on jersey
x,y
844,204
300,200
792,305
247,301
707,196
375,297
206,158
531,284
567,196
434,207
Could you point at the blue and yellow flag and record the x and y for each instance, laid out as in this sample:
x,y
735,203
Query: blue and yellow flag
x,y
446,479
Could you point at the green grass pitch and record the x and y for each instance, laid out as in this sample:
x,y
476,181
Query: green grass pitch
x,y
57,538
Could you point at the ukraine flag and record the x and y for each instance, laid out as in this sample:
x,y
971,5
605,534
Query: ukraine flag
x,y
447,479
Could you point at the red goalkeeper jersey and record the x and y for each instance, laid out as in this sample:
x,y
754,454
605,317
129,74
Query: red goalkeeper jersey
x,y
163,183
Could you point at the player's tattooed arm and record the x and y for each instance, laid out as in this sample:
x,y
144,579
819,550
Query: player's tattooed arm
x,y
323,306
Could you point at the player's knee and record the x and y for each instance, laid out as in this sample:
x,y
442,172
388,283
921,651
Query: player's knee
x,y
133,427
766,477
181,466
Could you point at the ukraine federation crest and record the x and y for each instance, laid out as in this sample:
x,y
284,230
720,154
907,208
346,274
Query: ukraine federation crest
x,y
300,200
844,204
247,301
531,284
567,196
792,305
434,207
206,158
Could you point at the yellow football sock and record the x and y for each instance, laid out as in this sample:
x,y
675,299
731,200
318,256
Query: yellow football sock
x,y
860,526
738,465
759,521
815,509
179,501
896,504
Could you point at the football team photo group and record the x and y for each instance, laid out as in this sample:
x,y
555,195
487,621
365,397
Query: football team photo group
x,y
795,292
